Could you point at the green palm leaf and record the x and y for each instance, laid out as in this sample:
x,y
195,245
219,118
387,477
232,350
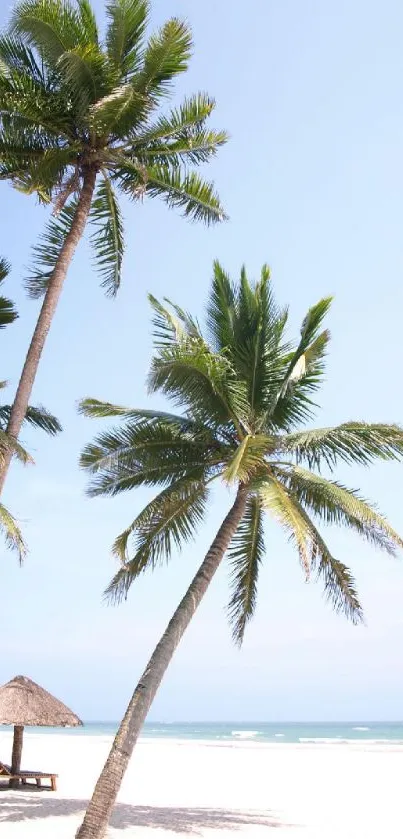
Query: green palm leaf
x,y
118,112
8,443
46,252
187,192
195,148
221,310
339,583
190,193
290,404
46,175
246,555
167,55
84,71
180,122
38,417
247,459
351,442
8,313
99,410
12,534
148,453
170,327
309,339
334,503
127,21
282,506
16,58
52,27
108,238
190,374
164,524
87,21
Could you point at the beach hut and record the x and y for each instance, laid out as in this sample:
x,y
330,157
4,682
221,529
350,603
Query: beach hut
x,y
23,702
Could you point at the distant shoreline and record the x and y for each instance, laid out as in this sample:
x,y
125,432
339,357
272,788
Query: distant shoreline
x,y
258,733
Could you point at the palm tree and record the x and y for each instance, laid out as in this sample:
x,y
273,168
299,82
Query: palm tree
x,y
38,417
244,394
80,119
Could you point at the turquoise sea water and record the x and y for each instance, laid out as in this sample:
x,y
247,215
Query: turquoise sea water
x,y
261,732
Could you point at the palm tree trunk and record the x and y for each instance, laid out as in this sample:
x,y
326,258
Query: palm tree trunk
x,y
16,754
43,324
100,807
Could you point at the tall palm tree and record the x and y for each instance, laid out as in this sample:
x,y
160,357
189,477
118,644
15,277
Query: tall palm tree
x,y
244,393
38,417
81,119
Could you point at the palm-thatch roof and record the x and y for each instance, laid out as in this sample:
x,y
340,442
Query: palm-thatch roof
x,y
23,702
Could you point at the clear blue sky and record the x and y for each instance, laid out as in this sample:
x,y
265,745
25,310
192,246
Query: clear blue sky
x,y
313,182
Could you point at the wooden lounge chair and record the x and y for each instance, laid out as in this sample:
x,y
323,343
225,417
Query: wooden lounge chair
x,y
23,776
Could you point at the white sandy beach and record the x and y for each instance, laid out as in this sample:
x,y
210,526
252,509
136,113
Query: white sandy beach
x,y
200,789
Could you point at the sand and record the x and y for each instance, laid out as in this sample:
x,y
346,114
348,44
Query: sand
x,y
205,790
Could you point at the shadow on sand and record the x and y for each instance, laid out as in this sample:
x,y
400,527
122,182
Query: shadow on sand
x,y
17,808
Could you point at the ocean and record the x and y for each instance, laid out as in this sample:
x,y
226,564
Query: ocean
x,y
259,732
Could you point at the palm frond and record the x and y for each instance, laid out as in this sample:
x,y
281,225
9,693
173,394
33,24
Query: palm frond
x,y
148,454
8,313
166,55
108,238
12,534
87,21
99,410
127,22
170,327
180,122
17,60
84,71
5,269
185,191
314,554
336,504
46,252
283,507
117,113
312,344
339,584
259,347
38,417
246,553
340,587
30,102
44,174
246,324
164,525
179,136
291,404
247,459
52,28
9,443
221,311
195,149
351,442
190,374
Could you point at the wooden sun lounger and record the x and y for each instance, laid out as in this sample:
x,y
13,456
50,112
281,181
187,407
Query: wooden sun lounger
x,y
5,772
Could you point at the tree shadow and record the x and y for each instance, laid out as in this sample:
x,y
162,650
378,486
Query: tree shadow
x,y
18,808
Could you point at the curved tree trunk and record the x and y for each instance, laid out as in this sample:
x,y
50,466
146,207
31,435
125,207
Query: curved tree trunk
x,y
100,807
43,324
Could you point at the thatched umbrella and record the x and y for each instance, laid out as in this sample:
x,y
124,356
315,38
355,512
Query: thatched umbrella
x,y
23,702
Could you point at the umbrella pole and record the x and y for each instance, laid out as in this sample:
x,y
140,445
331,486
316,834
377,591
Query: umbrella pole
x,y
16,755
